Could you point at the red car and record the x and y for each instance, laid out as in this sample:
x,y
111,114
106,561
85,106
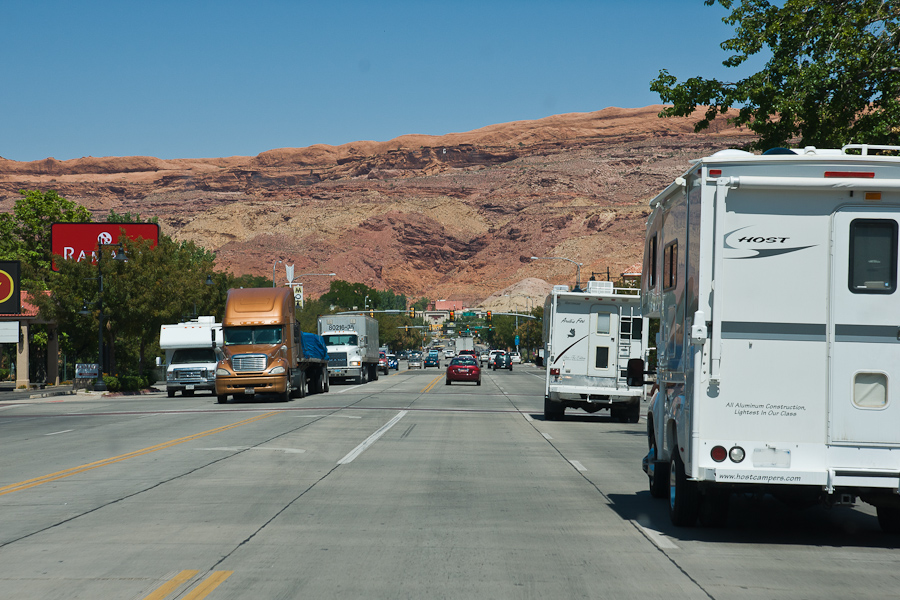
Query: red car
x,y
464,368
383,365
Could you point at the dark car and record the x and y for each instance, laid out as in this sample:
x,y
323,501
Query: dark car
x,y
433,360
464,368
501,360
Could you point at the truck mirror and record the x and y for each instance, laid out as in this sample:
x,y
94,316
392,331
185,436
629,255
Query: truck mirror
x,y
158,361
635,372
212,332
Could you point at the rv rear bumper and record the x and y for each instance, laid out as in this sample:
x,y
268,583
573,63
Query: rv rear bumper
x,y
250,384
593,394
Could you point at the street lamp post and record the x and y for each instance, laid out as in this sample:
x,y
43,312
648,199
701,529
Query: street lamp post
x,y
100,385
273,271
577,265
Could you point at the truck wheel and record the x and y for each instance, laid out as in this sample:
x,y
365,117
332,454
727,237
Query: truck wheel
x,y
684,500
222,399
889,519
170,393
327,384
553,411
448,382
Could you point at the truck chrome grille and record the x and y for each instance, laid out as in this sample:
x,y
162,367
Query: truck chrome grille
x,y
194,374
337,359
249,362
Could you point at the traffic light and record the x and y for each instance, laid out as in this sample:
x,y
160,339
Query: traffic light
x,y
372,313
412,313
487,318
452,315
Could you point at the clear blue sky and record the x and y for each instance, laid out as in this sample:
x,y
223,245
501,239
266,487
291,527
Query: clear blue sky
x,y
185,79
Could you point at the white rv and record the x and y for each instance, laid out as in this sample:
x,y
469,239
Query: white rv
x,y
192,351
589,337
774,279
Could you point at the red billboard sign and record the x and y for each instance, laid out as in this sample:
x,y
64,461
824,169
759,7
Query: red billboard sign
x,y
80,241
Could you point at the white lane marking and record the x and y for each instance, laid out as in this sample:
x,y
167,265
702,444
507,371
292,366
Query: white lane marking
x,y
12,406
661,541
351,388
239,448
58,432
528,417
546,435
578,465
324,416
372,439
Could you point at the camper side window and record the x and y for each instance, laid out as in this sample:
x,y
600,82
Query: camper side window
x,y
670,265
651,252
603,323
873,256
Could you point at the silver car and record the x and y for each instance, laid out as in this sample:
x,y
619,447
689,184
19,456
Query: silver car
x,y
415,361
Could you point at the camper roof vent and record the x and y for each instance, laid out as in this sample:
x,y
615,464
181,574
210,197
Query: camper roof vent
x,y
560,288
599,287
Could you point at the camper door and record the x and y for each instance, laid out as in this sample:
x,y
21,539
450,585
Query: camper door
x,y
604,328
864,328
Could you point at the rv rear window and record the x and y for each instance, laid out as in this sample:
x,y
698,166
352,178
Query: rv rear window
x,y
602,360
873,256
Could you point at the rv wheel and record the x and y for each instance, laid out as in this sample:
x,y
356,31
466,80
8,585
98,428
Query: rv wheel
x,y
684,500
222,399
170,393
553,411
889,519
658,473
633,413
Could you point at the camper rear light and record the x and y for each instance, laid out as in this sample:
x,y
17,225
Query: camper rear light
x,y
715,172
851,174
554,372
719,453
736,454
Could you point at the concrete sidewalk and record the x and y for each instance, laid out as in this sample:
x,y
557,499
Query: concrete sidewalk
x,y
8,392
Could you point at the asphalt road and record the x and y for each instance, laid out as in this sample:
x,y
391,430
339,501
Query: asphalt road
x,y
400,488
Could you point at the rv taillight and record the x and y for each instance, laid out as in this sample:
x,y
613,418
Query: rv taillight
x,y
719,453
736,454
851,174
554,372
715,172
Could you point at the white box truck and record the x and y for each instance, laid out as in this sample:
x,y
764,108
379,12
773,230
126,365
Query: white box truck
x,y
774,279
352,342
192,350
589,337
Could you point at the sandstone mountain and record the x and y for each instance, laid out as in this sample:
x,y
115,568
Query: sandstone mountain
x,y
456,216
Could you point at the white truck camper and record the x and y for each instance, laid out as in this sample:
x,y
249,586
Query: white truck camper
x,y
774,279
192,350
589,337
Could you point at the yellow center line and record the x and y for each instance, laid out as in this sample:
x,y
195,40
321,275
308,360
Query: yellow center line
x,y
171,585
211,583
30,483
432,384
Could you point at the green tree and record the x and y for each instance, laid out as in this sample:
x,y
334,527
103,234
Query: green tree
x,y
25,232
833,76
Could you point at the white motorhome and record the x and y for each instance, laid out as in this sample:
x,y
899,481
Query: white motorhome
x,y
192,350
589,337
774,279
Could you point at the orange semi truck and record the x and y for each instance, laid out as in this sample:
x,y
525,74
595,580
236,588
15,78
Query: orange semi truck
x,y
265,351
